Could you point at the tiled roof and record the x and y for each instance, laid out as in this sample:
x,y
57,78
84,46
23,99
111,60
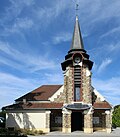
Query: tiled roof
x,y
51,105
102,105
28,105
41,93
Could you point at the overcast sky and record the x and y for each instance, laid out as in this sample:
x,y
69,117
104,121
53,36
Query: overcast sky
x,y
35,36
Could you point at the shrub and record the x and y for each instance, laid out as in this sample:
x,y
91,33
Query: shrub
x,y
31,132
19,132
10,133
116,116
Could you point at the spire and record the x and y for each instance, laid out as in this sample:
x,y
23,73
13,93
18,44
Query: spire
x,y
77,42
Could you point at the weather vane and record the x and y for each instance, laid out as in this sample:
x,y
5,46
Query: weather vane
x,y
77,5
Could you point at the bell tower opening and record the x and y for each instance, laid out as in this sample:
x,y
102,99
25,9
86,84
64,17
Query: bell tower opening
x,y
77,82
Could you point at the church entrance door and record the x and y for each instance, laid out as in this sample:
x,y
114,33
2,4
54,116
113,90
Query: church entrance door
x,y
77,121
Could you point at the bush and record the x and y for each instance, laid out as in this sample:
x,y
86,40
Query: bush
x,y
116,116
11,133
19,132
2,130
31,132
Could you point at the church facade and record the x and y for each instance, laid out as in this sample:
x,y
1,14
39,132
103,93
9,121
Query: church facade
x,y
75,105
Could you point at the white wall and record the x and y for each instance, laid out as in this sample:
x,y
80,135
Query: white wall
x,y
37,119
30,120
14,120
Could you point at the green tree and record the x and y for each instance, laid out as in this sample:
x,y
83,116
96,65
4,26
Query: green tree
x,y
116,116
2,119
2,114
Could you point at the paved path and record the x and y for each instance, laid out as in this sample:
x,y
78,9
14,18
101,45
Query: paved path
x,y
115,133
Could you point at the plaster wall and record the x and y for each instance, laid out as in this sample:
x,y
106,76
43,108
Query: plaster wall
x,y
14,120
26,120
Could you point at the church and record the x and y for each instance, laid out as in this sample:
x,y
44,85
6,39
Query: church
x,y
74,106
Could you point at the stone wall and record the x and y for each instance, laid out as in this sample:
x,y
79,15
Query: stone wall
x,y
108,121
88,123
67,95
66,127
86,86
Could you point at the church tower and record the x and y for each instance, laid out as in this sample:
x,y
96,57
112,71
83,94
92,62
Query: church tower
x,y
76,69
77,85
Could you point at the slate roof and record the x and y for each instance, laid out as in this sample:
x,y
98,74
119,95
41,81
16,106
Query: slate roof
x,y
77,42
41,93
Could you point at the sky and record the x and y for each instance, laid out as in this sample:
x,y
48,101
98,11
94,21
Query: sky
x,y
35,36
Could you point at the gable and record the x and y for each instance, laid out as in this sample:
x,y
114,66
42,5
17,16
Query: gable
x,y
57,95
97,96
42,93
99,102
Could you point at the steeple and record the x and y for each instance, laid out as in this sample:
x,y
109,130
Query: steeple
x,y
76,52
77,42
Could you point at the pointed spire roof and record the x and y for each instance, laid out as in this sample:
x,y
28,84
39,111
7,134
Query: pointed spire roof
x,y
77,42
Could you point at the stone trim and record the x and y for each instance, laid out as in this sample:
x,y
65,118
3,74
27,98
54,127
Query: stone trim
x,y
108,130
66,130
88,130
57,94
108,121
99,129
48,121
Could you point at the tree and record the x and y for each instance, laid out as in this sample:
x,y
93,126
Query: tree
x,y
116,116
2,118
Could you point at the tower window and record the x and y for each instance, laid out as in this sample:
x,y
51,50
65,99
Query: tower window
x,y
77,94
77,82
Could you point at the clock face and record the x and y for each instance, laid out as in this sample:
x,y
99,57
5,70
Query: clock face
x,y
77,60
